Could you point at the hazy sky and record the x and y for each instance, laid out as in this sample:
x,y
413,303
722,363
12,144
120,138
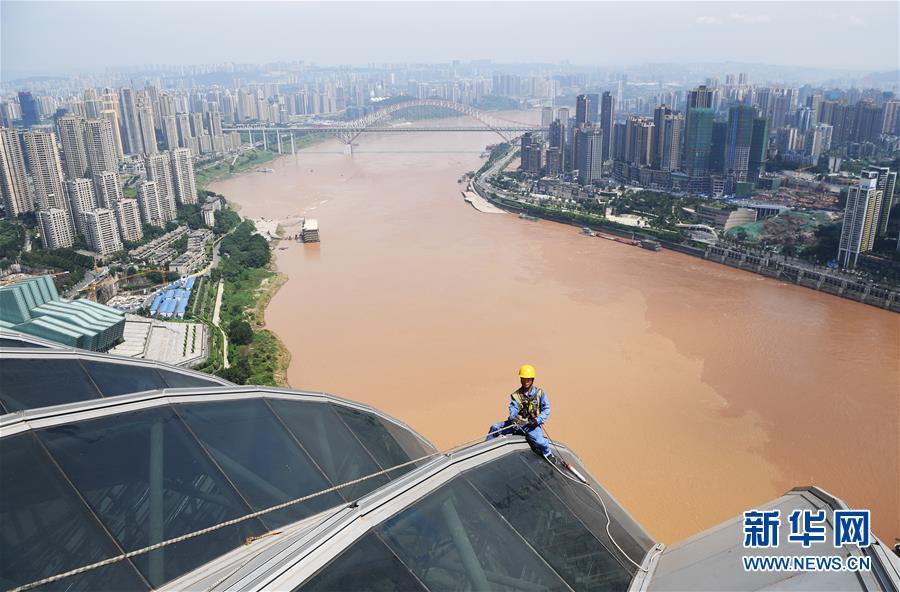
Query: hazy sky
x,y
62,37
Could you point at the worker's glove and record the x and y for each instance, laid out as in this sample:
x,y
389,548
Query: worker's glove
x,y
533,423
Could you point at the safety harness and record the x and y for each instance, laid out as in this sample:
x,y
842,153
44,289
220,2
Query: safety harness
x,y
529,405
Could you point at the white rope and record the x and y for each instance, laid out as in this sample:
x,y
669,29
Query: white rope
x,y
281,506
605,511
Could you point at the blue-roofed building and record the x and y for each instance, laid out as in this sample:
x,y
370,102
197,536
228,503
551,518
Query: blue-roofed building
x,y
33,306
155,305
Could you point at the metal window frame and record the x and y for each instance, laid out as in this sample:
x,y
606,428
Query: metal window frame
x,y
315,548
43,417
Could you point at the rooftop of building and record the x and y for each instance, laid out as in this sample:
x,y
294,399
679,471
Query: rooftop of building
x,y
33,306
208,485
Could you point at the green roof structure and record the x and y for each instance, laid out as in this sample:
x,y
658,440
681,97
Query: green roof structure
x,y
34,307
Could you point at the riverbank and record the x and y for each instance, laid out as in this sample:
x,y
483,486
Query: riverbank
x,y
267,290
250,160
768,266
263,357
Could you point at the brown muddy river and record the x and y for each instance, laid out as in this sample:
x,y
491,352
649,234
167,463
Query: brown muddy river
x,y
691,390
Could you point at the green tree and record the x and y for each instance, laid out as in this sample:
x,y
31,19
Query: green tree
x,y
239,371
240,332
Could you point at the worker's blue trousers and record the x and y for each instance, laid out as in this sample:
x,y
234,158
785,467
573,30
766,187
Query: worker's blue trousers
x,y
535,436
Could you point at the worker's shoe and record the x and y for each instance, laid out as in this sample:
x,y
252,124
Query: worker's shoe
x,y
552,460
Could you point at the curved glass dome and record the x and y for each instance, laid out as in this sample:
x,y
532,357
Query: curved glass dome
x,y
511,523
110,476
34,378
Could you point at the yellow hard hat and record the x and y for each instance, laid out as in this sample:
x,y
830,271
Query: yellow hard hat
x,y
526,371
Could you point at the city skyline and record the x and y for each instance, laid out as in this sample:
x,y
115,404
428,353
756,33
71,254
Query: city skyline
x,y
244,32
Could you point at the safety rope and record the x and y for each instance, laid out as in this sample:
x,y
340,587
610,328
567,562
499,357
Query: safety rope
x,y
281,506
605,511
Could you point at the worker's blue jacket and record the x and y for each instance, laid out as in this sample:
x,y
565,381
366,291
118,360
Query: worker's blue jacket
x,y
534,400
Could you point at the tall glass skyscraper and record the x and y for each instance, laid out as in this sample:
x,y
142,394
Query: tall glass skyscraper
x,y
738,140
698,141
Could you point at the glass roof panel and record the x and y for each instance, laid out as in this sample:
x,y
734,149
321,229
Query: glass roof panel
x,y
413,446
584,504
375,437
47,530
534,510
119,379
13,342
179,380
333,446
260,457
33,383
367,566
148,480
454,540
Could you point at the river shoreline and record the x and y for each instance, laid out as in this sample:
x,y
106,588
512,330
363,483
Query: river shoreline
x,y
858,291
270,286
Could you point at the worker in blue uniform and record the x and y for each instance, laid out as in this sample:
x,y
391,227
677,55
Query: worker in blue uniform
x,y
529,409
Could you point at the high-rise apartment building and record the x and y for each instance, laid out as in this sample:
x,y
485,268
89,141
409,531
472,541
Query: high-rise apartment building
x,y
583,110
128,216
17,198
718,148
589,147
638,140
698,143
659,115
759,148
860,219
154,208
108,189
886,183
92,103
867,121
170,132
30,111
553,164
81,200
816,139
183,176
46,170
197,129
607,119
147,126
618,145
112,117
215,124
101,147
738,140
101,231
557,137
890,124
71,139
183,122
159,169
56,229
701,97
131,127
669,133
